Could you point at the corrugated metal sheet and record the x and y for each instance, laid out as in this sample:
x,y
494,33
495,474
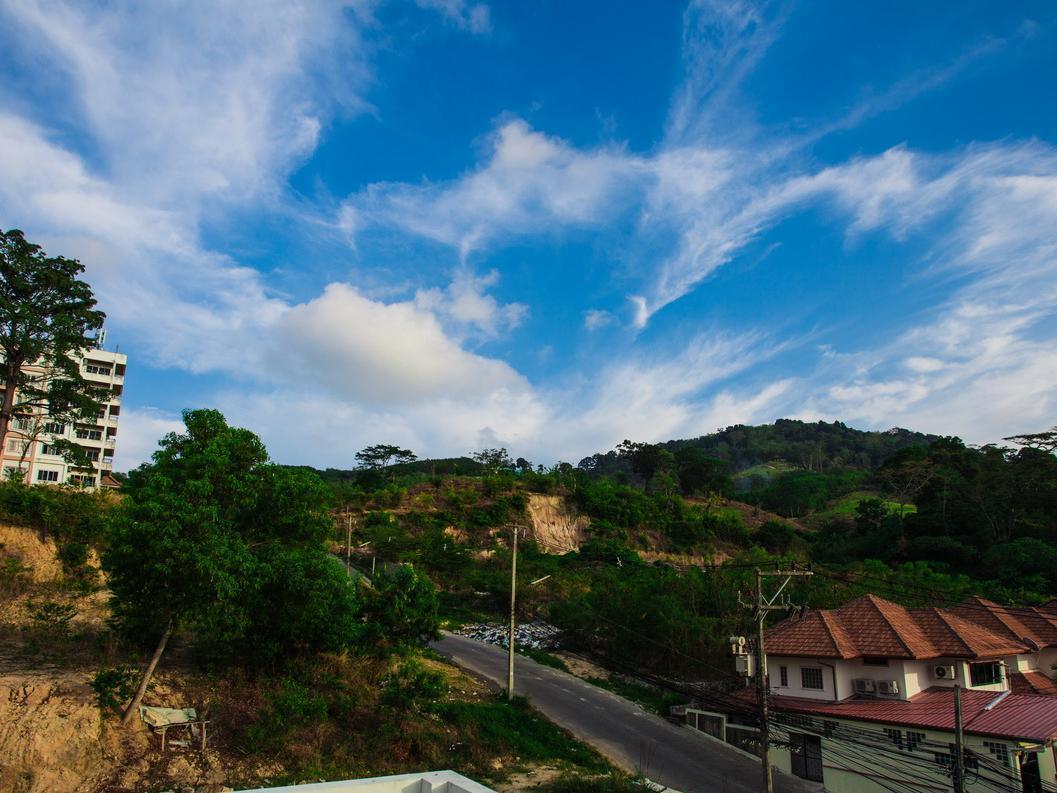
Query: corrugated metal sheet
x,y
1017,716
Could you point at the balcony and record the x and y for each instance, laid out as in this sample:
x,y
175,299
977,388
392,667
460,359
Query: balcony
x,y
101,378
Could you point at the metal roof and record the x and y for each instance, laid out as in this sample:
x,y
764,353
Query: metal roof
x,y
1016,716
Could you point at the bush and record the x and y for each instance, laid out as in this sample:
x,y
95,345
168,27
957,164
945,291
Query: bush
x,y
13,574
52,619
291,707
411,688
115,686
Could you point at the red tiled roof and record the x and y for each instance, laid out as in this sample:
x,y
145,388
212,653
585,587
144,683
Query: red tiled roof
x,y
1031,683
1037,625
1015,716
873,626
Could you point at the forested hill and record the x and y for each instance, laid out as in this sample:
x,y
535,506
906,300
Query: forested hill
x,y
817,446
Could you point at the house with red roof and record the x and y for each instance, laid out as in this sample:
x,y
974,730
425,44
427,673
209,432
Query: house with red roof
x,y
863,697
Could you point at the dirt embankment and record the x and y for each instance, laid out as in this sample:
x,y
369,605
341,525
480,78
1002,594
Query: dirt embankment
x,y
26,546
52,736
555,526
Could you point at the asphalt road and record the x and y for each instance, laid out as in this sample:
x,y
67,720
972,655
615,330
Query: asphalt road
x,y
631,738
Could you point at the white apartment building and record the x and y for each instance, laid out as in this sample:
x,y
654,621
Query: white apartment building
x,y
29,448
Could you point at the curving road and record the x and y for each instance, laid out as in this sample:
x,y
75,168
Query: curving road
x,y
631,738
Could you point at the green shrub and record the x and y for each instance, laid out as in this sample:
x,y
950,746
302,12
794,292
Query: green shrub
x,y
114,686
52,619
292,706
13,574
411,688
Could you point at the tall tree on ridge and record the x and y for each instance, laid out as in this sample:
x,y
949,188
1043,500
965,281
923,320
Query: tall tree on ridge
x,y
47,318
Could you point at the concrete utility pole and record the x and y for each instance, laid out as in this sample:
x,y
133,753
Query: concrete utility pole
x,y
510,643
760,606
959,743
348,542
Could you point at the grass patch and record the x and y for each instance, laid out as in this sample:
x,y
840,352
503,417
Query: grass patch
x,y
543,657
581,783
515,729
652,699
454,612
847,504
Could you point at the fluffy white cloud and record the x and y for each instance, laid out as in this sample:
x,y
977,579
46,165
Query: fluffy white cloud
x,y
373,352
531,184
466,304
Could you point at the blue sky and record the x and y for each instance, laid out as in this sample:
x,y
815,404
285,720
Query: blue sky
x,y
452,224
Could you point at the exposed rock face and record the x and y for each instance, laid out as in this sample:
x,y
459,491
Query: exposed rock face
x,y
554,525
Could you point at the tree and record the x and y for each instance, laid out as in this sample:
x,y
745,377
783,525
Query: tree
x,y
523,465
493,460
644,458
402,609
214,540
46,317
1045,441
699,473
383,455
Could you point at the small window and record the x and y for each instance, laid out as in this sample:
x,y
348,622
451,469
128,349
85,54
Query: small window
x,y
999,751
811,677
914,739
47,476
47,448
875,661
55,428
895,736
783,676
985,674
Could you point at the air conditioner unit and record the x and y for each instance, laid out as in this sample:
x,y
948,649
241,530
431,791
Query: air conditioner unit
x,y
863,686
943,672
888,687
743,664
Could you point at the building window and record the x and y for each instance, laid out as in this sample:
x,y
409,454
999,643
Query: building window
x,y
47,448
914,739
47,476
985,674
811,677
783,675
13,472
86,434
93,455
96,368
55,428
999,750
875,661
829,728
895,736
23,424
17,446
805,756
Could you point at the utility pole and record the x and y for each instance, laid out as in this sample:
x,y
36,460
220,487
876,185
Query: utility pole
x,y
760,606
510,642
348,542
959,743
